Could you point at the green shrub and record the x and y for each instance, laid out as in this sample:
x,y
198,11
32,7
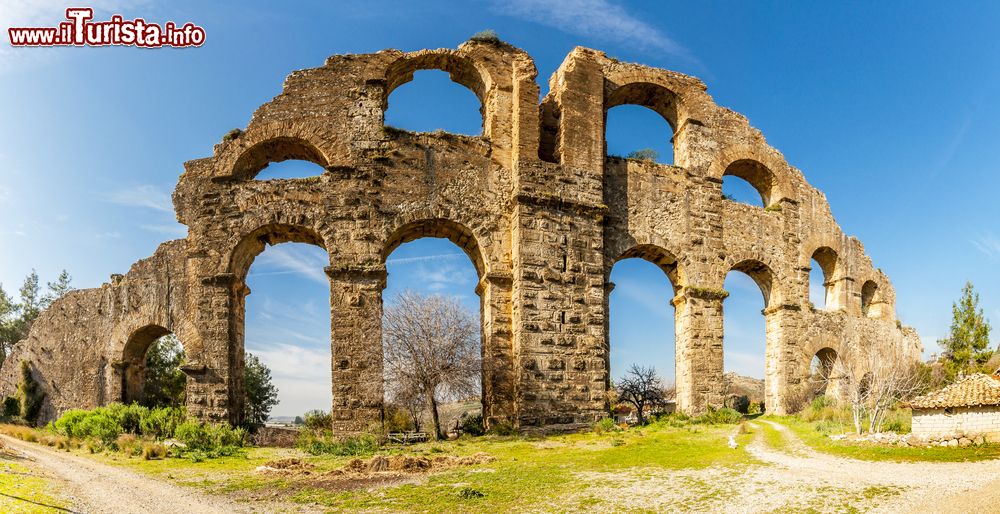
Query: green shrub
x,y
755,408
153,451
473,425
503,428
605,425
161,423
645,154
30,395
11,407
723,416
486,36
827,427
326,444
203,441
128,444
318,420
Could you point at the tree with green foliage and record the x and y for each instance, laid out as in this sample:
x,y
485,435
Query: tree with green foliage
x,y
645,154
164,382
16,318
261,393
30,394
967,345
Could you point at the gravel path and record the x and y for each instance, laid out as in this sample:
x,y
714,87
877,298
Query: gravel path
x,y
93,487
797,478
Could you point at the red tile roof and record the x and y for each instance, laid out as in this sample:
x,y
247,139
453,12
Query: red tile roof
x,y
973,390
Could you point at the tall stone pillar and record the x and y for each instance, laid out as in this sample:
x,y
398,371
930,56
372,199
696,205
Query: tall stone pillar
x,y
699,333
494,291
780,365
356,347
215,367
558,312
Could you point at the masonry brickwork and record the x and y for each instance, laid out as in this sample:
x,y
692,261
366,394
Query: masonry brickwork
x,y
539,207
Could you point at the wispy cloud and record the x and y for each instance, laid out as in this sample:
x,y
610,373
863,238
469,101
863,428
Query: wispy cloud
x,y
426,258
302,376
292,259
600,19
5,194
142,196
989,244
170,229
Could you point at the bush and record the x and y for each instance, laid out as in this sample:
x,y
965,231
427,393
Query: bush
x,y
318,420
11,407
473,425
153,451
723,416
605,425
128,444
645,154
755,408
30,394
203,441
486,36
325,444
161,423
503,428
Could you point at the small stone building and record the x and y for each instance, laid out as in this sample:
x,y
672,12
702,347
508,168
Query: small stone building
x,y
969,409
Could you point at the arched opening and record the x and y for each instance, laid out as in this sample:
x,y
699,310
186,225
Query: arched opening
x,y
434,267
748,181
822,273
744,344
285,324
821,380
431,102
641,319
287,329
636,132
150,368
278,150
639,122
290,169
868,292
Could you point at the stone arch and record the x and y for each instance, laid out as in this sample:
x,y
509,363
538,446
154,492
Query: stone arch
x,y
825,383
767,174
462,69
262,144
133,361
254,242
659,256
652,96
444,228
830,263
762,274
870,297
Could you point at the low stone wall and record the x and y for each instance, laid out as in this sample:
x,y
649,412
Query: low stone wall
x,y
276,437
957,423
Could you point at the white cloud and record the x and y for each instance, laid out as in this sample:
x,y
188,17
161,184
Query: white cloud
x,y
143,196
171,229
599,19
747,364
425,258
302,376
292,259
989,244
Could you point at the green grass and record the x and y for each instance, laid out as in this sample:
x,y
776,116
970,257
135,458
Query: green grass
x,y
873,452
528,471
23,491
773,437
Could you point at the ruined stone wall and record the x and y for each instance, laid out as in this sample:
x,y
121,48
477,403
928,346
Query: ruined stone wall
x,y
535,202
79,348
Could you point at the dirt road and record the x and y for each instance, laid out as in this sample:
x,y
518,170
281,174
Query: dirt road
x,y
93,487
799,479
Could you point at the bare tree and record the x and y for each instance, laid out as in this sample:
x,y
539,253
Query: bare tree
x,y
873,380
641,387
432,349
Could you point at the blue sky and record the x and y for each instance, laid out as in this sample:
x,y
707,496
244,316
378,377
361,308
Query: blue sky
x,y
891,109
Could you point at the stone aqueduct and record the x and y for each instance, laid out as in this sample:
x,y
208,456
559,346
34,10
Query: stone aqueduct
x,y
534,201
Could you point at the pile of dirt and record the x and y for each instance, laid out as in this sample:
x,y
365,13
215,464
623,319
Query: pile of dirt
x,y
410,464
286,465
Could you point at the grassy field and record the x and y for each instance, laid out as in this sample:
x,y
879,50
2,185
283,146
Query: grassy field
x,y
21,490
527,471
866,451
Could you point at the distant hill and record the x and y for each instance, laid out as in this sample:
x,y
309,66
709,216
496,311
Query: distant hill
x,y
739,385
